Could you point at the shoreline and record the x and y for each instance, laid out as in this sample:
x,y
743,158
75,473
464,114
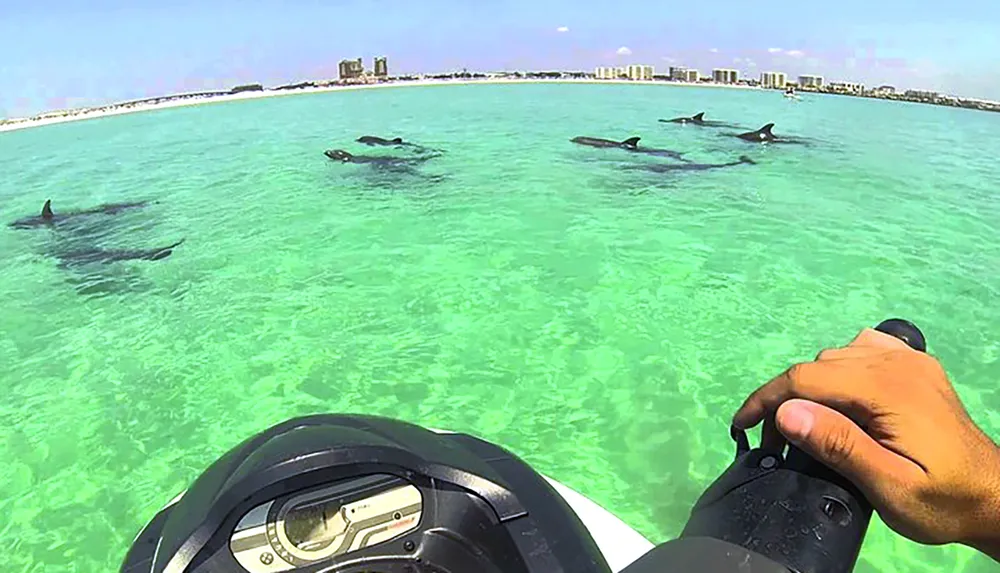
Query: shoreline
x,y
236,94
185,100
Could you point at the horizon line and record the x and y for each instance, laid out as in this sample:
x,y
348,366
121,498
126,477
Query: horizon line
x,y
367,75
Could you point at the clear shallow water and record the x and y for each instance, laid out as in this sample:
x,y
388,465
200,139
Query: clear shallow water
x,y
603,324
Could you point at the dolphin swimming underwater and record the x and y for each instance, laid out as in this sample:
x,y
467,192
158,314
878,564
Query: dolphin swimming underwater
x,y
668,167
77,257
48,217
630,144
374,160
376,140
699,120
373,140
765,135
386,165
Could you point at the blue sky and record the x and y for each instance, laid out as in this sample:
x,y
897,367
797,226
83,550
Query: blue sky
x,y
66,53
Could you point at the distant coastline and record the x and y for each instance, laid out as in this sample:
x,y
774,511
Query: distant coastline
x,y
256,91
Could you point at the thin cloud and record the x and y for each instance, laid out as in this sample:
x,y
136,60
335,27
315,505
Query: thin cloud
x,y
714,50
624,51
562,29
774,50
668,59
795,53
737,60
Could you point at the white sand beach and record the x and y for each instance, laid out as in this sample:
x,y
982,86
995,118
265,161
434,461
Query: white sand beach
x,y
54,117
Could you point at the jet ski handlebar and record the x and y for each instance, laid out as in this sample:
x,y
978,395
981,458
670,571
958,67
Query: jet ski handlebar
x,y
354,494
769,513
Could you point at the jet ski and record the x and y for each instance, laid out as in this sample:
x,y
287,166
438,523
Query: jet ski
x,y
364,494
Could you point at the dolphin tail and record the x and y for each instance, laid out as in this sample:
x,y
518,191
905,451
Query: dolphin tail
x,y
664,120
47,209
746,159
631,142
699,116
165,251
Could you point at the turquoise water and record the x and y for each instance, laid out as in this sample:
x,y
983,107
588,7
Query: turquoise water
x,y
603,324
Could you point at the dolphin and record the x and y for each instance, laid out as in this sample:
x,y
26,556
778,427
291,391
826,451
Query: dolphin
x,y
697,119
376,140
48,217
382,163
379,162
375,160
765,135
95,255
372,140
630,144
667,167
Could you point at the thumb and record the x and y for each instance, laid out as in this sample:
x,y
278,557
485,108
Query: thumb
x,y
833,439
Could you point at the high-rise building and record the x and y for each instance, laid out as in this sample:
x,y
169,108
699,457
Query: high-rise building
x,y
725,76
606,73
810,81
351,69
773,80
678,73
691,76
381,67
609,73
639,72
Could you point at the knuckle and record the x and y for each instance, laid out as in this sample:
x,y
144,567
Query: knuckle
x,y
838,444
824,355
796,376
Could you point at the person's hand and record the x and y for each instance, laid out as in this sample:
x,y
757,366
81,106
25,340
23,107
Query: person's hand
x,y
886,417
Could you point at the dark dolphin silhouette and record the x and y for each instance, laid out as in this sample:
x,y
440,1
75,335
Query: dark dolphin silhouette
x,y
387,165
699,120
668,167
77,257
373,140
376,161
48,217
376,140
765,135
630,144
348,157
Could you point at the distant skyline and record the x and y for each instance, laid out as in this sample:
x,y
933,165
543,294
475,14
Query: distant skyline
x,y
71,53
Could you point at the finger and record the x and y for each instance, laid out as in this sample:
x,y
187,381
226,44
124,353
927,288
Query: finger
x,y
816,381
835,440
872,338
849,352
771,438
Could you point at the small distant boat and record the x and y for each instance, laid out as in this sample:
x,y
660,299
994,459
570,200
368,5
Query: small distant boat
x,y
790,94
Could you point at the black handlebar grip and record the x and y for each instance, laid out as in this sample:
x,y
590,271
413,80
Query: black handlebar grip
x,y
905,331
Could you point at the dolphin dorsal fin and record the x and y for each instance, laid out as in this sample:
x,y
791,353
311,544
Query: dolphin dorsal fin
x,y
631,142
698,116
47,209
766,130
397,140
